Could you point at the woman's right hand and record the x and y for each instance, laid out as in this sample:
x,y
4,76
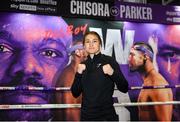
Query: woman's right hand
x,y
81,68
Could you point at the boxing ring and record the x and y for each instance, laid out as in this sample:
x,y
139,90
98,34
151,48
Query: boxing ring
x,y
62,106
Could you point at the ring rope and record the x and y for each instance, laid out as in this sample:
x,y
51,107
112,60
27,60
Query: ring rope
x,y
35,88
154,87
68,88
58,106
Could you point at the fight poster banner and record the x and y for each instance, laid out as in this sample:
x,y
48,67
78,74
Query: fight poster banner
x,y
37,59
96,9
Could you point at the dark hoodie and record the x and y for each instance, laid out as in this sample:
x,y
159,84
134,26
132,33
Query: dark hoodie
x,y
97,88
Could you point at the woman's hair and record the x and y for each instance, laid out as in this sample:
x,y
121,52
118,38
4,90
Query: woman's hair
x,y
92,33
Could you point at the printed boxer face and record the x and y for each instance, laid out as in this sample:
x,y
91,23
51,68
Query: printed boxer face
x,y
168,59
136,59
32,51
169,56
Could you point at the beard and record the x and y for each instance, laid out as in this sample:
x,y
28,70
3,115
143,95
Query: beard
x,y
140,68
24,97
176,108
25,115
137,69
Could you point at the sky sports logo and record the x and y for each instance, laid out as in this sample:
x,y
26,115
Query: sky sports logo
x,y
27,7
23,7
35,8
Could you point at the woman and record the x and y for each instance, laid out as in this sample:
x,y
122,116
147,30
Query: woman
x,y
95,79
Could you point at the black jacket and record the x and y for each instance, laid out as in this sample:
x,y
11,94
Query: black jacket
x,y
97,88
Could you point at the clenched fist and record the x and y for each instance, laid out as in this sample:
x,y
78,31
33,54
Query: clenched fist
x,y
107,69
81,68
80,55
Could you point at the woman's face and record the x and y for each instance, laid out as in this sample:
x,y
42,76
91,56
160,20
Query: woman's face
x,y
92,44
